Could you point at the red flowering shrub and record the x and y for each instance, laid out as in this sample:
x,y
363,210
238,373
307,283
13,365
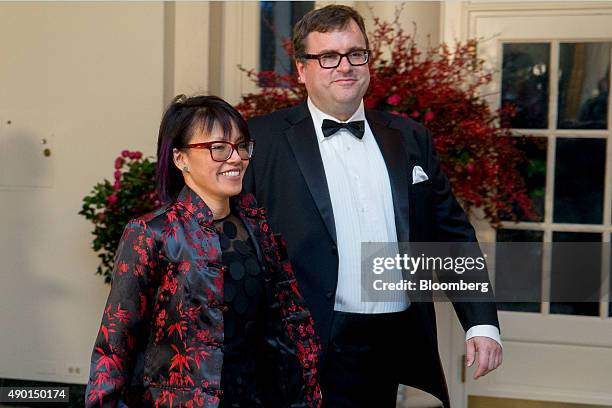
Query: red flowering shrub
x,y
439,88
111,205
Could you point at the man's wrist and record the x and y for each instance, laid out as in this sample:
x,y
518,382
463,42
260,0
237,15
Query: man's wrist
x,y
484,330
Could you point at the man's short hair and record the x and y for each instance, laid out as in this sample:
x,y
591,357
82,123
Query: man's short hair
x,y
329,18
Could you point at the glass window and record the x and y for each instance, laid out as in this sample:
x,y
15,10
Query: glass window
x,y
533,170
277,19
529,262
525,73
584,81
578,273
580,168
578,171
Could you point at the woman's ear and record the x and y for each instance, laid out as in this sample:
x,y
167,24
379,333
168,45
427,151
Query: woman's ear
x,y
180,160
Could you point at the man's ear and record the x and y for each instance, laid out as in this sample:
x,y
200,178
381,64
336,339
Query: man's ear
x,y
300,66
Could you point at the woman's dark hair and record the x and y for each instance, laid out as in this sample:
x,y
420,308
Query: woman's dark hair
x,y
184,117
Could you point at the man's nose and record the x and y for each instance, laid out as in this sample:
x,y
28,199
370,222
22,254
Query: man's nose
x,y
345,65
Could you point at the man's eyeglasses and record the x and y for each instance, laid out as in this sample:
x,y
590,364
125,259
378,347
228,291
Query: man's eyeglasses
x,y
221,151
331,60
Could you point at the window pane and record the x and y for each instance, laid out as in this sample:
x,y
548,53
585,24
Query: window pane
x,y
579,180
575,273
277,19
530,265
533,171
525,70
584,79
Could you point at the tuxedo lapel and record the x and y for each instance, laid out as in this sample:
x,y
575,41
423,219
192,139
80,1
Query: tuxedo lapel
x,y
303,141
398,167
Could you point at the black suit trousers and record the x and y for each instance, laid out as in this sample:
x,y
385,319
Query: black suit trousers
x,y
363,363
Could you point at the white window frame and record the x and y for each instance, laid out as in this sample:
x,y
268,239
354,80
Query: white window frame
x,y
547,226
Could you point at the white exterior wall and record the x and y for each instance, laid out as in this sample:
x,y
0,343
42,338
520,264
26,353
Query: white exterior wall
x,y
88,77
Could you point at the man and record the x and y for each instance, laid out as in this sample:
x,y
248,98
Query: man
x,y
333,175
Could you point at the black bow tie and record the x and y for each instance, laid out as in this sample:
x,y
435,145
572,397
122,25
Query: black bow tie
x,y
357,128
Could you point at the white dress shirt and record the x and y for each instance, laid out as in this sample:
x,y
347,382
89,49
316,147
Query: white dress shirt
x,y
360,193
362,204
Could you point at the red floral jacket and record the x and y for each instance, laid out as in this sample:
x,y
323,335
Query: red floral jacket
x,y
161,338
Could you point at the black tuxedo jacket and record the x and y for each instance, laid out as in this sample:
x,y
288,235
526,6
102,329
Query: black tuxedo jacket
x,y
286,175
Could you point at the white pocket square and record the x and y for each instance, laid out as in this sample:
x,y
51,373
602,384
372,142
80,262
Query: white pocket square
x,y
418,175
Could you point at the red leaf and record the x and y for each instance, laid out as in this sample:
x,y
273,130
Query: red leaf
x,y
105,331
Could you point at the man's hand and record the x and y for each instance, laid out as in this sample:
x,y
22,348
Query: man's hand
x,y
489,351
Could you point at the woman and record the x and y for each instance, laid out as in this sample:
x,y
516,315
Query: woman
x,y
204,309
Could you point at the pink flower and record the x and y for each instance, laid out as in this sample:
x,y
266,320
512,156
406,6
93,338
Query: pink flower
x,y
112,199
117,185
429,116
394,100
125,153
415,114
469,167
136,155
119,162
117,174
395,113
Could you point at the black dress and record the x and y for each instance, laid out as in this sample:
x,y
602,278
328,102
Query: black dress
x,y
245,299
